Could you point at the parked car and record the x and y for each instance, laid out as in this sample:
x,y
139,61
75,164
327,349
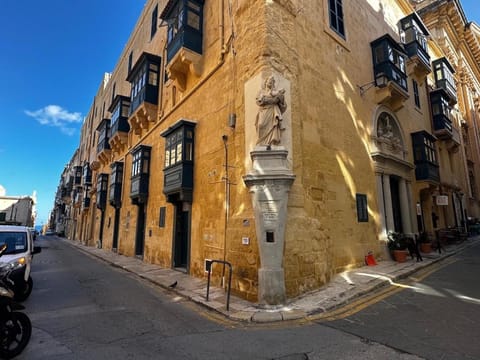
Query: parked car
x,y
18,256
49,232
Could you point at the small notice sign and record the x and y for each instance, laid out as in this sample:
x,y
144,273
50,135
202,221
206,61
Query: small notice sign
x,y
442,200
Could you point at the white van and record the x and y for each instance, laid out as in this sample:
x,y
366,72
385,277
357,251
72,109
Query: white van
x,y
19,254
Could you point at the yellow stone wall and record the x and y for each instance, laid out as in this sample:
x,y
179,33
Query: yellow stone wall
x,y
329,137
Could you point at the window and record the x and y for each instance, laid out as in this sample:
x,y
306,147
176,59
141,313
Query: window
x,y
136,164
444,79
113,91
362,208
416,95
103,135
140,161
87,175
174,147
3,216
119,109
154,21
140,174
16,241
179,161
78,175
176,22
441,110
185,22
414,36
425,156
102,182
130,59
161,220
102,186
335,10
144,80
430,154
389,60
424,148
115,191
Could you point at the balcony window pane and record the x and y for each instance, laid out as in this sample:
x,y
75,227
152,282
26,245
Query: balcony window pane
x,y
173,156
188,151
145,166
167,158
153,78
179,152
193,20
193,6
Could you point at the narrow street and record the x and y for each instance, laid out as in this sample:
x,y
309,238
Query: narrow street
x,y
82,308
436,317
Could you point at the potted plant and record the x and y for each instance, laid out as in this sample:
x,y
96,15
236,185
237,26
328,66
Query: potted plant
x,y
397,245
425,243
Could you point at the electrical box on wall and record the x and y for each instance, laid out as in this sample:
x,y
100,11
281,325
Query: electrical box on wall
x,y
245,240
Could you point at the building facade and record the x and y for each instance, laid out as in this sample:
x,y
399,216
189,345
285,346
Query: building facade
x,y
285,137
17,210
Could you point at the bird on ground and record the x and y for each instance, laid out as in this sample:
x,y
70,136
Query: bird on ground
x,y
173,285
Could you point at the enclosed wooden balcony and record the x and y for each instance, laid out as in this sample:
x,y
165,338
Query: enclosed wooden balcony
x,y
389,67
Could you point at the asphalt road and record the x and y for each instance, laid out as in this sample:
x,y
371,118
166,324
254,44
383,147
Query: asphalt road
x,y
82,308
436,318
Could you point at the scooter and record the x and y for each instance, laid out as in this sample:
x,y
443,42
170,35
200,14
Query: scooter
x,y
15,326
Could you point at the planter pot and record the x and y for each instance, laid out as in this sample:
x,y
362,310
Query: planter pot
x,y
426,247
400,255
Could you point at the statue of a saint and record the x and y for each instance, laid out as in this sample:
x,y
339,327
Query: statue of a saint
x,y
269,118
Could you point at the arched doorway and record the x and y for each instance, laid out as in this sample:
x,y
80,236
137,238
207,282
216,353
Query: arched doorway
x,y
393,175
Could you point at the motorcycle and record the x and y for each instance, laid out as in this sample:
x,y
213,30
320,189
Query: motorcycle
x,y
15,326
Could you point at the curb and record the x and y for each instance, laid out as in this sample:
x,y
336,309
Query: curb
x,y
262,316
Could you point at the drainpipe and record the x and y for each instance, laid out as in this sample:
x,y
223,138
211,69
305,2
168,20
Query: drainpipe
x,y
227,206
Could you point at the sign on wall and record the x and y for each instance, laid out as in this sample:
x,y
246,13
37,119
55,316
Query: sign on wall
x,y
442,200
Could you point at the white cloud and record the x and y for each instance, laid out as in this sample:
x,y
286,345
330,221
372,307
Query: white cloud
x,y
54,115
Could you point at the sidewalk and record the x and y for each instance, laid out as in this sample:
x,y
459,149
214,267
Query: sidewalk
x,y
342,290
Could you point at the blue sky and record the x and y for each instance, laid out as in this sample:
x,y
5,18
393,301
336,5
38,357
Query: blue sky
x,y
53,55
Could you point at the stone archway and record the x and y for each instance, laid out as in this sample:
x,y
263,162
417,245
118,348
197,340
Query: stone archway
x,y
393,174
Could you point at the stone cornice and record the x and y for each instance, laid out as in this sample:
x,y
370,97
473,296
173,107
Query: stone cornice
x,y
461,36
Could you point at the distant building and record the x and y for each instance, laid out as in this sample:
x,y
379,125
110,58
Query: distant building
x,y
368,111
17,210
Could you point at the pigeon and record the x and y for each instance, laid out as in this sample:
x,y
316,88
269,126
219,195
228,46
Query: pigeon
x,y
173,285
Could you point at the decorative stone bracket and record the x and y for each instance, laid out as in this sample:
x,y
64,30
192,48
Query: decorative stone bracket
x,y
184,62
142,117
391,95
118,142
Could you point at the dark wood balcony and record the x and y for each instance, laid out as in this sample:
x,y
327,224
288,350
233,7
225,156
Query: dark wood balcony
x,y
144,78
119,126
184,39
389,63
415,43
425,157
443,73
441,114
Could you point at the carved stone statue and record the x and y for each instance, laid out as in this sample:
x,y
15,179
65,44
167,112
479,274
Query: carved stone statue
x,y
272,105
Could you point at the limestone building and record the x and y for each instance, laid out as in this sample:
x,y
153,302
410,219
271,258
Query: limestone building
x,y
286,137
17,210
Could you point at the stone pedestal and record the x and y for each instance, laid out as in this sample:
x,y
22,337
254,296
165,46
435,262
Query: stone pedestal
x,y
269,183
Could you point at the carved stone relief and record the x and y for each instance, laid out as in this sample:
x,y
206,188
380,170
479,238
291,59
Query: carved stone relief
x,y
388,138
